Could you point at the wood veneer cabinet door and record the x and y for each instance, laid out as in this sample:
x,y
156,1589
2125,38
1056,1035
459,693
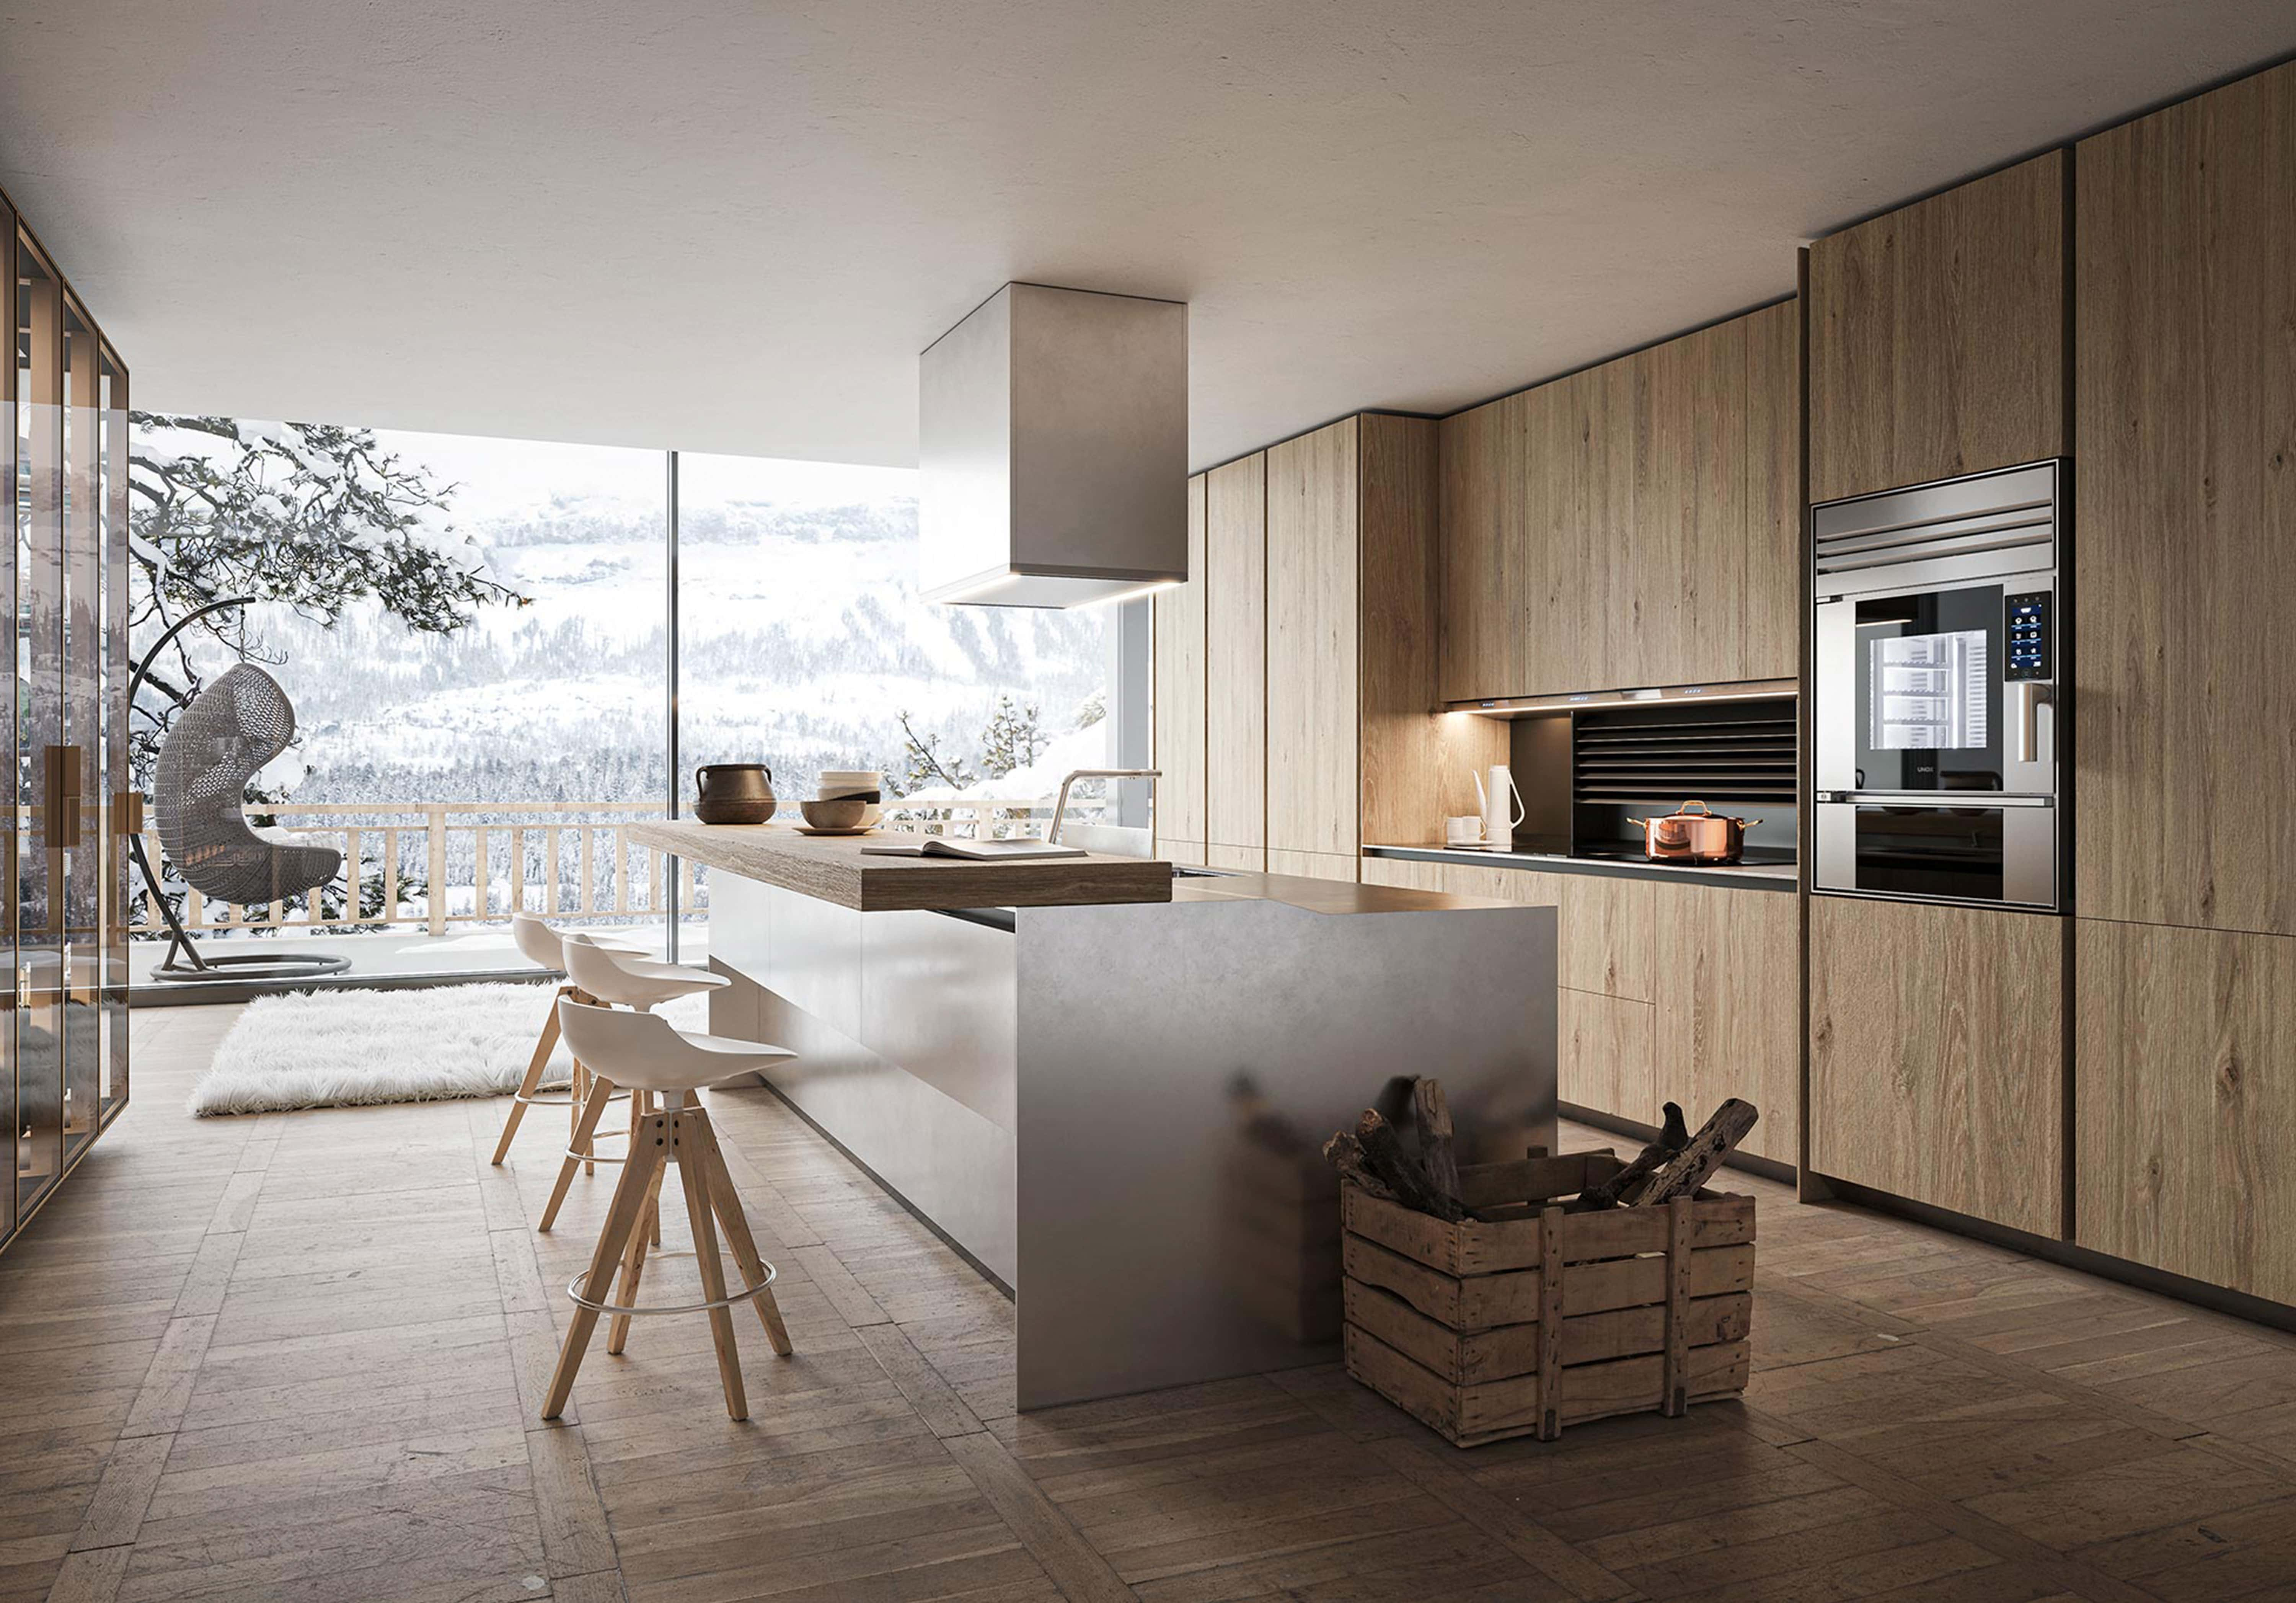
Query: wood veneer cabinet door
x,y
1603,1054
1681,561
1728,973
1235,654
1414,764
1770,640
1937,336
2184,1077
1179,690
1313,864
1935,1055
1314,667
2186,520
1482,547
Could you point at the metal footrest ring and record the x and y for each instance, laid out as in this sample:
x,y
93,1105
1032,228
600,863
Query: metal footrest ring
x,y
574,1290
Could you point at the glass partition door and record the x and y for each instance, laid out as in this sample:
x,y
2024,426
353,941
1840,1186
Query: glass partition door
x,y
40,600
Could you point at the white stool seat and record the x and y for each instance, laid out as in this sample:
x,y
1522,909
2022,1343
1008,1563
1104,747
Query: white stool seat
x,y
646,1050
613,976
545,946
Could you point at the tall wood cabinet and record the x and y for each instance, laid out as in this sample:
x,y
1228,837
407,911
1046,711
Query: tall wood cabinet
x,y
1178,692
1632,524
2187,486
1937,336
64,457
1295,673
1935,1055
1235,664
2185,1064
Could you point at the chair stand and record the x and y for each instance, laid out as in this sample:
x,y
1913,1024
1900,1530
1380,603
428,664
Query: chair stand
x,y
196,965
680,1137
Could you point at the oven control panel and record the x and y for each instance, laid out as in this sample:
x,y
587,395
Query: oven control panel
x,y
2031,627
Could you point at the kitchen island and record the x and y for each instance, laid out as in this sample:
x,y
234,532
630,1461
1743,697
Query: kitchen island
x,y
1108,1087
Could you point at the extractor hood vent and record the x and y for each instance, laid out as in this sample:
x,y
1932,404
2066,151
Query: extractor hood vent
x,y
1052,431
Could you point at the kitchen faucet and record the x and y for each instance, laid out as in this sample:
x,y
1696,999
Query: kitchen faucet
x,y
1060,808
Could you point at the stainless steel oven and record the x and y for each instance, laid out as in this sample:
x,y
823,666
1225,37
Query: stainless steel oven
x,y
1937,656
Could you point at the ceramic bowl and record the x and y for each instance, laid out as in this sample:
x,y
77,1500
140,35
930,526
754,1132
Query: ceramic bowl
x,y
835,814
838,783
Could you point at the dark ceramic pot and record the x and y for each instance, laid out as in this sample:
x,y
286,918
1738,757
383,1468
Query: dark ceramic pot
x,y
734,793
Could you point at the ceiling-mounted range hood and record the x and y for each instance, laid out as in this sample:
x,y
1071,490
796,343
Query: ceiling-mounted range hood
x,y
1052,431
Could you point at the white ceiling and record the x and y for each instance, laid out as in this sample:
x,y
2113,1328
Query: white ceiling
x,y
730,226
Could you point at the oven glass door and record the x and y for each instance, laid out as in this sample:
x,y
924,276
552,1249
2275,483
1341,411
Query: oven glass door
x,y
1928,710
1990,851
1947,853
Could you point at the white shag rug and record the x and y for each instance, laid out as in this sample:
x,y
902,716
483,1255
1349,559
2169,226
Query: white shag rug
x,y
345,1048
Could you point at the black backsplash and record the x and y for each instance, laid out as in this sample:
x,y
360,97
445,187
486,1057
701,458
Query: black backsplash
x,y
1584,774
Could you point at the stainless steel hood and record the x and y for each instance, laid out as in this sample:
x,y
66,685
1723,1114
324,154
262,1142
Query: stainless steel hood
x,y
1053,438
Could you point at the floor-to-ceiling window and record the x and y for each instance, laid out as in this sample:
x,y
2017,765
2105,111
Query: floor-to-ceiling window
x,y
803,645
478,634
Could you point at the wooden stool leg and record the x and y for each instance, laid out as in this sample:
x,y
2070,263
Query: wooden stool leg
x,y
529,1082
727,1202
618,1328
692,1171
622,1219
584,1141
602,1091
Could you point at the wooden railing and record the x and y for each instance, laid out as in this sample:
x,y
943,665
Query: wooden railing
x,y
442,864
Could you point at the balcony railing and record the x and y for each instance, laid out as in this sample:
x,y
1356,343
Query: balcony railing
x,y
447,864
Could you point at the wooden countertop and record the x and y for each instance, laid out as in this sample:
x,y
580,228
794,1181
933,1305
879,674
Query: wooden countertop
x,y
834,869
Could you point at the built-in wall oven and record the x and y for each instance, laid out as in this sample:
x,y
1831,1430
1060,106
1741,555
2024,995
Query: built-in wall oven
x,y
1935,710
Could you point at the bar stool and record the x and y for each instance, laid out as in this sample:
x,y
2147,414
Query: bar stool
x,y
612,978
543,947
643,1051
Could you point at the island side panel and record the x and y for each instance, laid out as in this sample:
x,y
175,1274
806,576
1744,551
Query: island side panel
x,y
1166,1235
901,1024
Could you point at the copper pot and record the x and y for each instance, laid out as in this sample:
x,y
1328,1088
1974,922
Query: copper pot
x,y
1693,834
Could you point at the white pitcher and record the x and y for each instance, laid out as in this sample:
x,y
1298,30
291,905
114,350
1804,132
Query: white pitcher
x,y
1503,806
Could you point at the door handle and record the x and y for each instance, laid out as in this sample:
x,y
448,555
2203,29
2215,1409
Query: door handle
x,y
64,798
2027,696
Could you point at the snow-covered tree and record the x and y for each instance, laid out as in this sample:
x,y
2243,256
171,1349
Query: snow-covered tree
x,y
315,515
1013,739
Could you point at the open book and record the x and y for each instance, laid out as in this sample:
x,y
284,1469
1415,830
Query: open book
x,y
982,851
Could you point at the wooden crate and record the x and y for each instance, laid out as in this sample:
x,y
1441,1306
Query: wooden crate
x,y
1542,1319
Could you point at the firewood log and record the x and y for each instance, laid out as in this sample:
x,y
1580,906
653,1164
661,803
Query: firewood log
x,y
1345,1154
1436,1147
1672,1138
1675,1135
1383,1151
1683,1173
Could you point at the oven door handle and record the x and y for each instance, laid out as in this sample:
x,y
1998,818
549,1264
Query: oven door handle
x,y
2025,716
1940,801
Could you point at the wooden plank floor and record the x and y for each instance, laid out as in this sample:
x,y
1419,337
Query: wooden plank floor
x,y
299,1357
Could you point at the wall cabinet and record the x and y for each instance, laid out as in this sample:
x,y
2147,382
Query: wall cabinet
x,y
2186,484
1937,336
1235,660
1935,1055
1178,688
2184,1071
1635,524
